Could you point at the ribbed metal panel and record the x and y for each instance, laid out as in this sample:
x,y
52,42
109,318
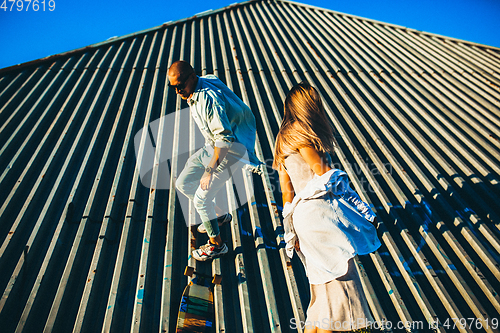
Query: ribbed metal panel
x,y
86,247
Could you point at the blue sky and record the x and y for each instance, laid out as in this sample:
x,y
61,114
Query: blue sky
x,y
28,35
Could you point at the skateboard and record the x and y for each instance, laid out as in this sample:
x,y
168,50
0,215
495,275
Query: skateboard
x,y
196,312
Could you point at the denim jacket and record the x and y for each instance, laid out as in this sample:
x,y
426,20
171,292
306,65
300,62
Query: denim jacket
x,y
345,222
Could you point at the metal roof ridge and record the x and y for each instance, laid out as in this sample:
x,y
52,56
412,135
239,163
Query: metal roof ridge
x,y
170,23
390,24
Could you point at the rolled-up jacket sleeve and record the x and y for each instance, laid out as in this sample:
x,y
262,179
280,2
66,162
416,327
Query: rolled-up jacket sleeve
x,y
218,123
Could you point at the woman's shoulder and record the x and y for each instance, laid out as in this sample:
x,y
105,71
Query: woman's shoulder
x,y
294,158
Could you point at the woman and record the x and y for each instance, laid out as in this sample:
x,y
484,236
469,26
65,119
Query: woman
x,y
325,221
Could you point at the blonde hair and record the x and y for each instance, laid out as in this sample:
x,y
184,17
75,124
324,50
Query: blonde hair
x,y
305,124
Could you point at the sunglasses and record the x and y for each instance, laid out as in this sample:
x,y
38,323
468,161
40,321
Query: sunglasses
x,y
180,86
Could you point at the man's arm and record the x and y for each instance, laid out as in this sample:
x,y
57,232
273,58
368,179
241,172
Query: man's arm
x,y
218,123
223,136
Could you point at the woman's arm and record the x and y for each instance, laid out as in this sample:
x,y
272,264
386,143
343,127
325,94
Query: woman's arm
x,y
315,160
288,193
287,190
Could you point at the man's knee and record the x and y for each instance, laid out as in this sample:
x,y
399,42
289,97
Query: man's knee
x,y
185,185
180,184
199,202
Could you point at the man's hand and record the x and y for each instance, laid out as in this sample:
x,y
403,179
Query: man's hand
x,y
206,181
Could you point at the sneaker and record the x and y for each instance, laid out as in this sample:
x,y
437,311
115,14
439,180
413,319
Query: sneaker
x,y
224,219
209,251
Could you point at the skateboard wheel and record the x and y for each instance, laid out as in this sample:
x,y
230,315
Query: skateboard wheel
x,y
217,279
189,271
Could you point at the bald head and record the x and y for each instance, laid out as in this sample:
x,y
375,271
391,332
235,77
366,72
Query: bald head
x,y
180,68
182,78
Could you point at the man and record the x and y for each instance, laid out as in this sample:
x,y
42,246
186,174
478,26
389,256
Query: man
x,y
228,126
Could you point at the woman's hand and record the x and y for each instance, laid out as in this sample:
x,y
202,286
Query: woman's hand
x,y
297,245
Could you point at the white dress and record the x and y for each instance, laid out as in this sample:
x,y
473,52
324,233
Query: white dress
x,y
332,225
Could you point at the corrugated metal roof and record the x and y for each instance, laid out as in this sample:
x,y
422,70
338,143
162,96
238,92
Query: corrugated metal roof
x,y
86,247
